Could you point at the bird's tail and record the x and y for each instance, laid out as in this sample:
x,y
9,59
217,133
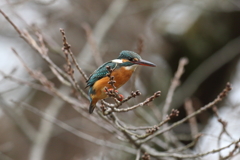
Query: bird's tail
x,y
91,107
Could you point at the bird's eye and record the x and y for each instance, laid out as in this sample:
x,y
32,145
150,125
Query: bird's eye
x,y
133,59
130,59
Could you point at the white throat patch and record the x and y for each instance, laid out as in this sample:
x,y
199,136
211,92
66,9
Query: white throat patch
x,y
117,61
133,67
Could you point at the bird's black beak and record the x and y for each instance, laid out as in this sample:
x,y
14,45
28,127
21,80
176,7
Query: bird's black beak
x,y
145,63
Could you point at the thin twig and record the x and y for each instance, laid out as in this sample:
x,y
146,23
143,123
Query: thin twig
x,y
96,120
126,133
192,121
204,108
40,50
78,133
189,145
224,128
30,84
223,123
43,51
148,100
35,74
9,20
67,51
155,153
133,95
205,69
175,83
46,83
231,153
66,44
150,130
138,155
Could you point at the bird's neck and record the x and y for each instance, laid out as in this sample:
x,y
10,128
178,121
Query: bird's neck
x,y
133,67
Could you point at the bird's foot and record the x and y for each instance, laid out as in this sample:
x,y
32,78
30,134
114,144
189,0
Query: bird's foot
x,y
114,93
111,90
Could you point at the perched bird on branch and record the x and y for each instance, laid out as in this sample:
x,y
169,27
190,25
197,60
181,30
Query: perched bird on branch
x,y
122,69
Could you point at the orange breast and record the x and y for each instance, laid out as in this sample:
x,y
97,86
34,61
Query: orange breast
x,y
121,76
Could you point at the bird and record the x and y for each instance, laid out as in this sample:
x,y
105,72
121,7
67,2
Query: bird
x,y
122,69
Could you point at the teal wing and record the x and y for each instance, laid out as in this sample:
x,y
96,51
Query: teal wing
x,y
100,73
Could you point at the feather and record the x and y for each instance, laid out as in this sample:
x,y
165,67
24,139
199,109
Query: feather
x,y
100,73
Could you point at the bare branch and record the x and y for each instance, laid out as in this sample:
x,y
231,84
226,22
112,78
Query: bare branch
x,y
175,83
204,108
46,83
149,130
138,156
96,120
192,121
231,153
205,69
155,153
30,84
67,51
148,100
224,128
190,144
43,51
35,74
78,133
67,48
9,20
40,50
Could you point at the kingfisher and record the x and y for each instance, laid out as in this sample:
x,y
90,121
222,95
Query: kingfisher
x,y
122,69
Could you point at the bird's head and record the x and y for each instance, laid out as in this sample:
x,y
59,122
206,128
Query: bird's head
x,y
129,58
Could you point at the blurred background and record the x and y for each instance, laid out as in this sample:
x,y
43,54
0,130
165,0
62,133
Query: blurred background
x,y
206,32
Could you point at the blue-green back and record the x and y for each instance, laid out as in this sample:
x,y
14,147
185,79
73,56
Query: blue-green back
x,y
100,73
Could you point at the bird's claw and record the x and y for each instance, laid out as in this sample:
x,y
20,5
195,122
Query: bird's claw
x,y
111,90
